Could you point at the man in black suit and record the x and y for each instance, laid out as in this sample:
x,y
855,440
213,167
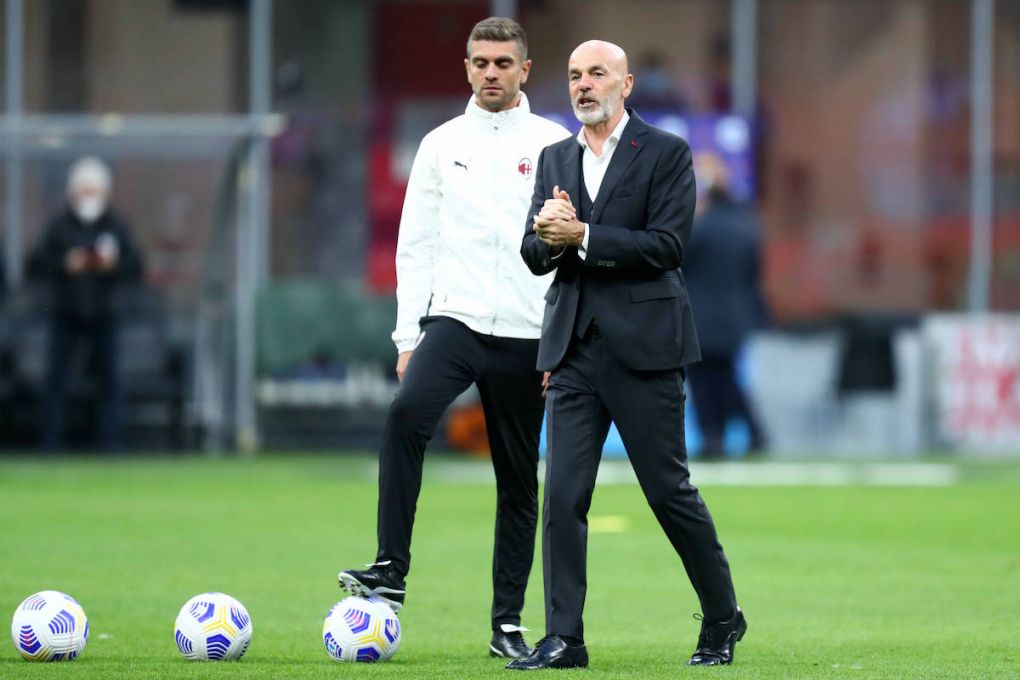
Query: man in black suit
x,y
611,214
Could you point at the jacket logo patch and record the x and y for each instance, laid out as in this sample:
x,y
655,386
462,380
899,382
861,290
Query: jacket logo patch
x,y
524,167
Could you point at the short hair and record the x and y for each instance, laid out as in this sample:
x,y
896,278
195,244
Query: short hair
x,y
499,29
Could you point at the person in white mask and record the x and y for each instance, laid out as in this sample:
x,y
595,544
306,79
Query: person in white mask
x,y
85,254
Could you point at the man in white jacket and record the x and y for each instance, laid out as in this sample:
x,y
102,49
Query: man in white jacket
x,y
469,311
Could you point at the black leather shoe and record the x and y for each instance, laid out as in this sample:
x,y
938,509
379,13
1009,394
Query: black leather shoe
x,y
508,642
380,580
552,651
717,640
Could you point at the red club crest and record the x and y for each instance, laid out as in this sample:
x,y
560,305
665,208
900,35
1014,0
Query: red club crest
x,y
524,167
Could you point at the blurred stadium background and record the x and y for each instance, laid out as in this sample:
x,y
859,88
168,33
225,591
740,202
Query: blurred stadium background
x,y
260,151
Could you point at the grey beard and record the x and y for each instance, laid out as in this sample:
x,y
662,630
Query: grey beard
x,y
601,114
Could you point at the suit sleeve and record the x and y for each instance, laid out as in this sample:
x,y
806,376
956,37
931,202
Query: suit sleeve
x,y
660,246
535,253
416,246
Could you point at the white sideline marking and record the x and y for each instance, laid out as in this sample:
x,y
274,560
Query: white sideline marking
x,y
739,474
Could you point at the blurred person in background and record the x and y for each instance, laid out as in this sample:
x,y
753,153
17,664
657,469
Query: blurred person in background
x,y
469,311
723,269
656,88
86,253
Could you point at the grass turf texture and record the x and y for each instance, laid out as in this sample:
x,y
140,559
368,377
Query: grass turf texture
x,y
836,582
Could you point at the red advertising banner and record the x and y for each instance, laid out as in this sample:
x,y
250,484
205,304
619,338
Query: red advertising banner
x,y
977,380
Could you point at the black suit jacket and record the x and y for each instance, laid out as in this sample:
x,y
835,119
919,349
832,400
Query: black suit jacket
x,y
638,229
91,296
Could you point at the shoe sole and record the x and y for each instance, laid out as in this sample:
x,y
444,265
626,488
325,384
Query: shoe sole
x,y
356,587
511,667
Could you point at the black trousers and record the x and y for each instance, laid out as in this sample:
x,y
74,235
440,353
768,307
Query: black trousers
x,y
718,398
65,336
449,358
587,391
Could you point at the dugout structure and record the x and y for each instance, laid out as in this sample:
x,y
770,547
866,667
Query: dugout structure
x,y
217,164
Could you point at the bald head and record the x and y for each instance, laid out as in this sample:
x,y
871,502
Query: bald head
x,y
609,54
599,82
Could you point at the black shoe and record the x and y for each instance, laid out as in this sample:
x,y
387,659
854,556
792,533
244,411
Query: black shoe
x,y
380,580
552,651
508,642
717,640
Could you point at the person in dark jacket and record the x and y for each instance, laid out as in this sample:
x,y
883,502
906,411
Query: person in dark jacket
x,y
723,269
86,253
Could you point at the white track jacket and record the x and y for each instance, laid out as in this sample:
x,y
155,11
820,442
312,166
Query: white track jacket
x,y
458,251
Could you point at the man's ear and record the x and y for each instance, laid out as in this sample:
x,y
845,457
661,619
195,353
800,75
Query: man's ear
x,y
628,85
525,69
467,69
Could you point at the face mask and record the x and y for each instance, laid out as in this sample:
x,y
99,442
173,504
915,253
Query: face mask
x,y
89,209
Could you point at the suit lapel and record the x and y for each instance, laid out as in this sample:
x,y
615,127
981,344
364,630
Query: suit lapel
x,y
626,151
572,172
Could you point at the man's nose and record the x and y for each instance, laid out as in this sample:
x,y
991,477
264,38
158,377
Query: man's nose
x,y
490,73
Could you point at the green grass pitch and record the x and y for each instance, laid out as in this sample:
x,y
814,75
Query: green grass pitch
x,y
842,582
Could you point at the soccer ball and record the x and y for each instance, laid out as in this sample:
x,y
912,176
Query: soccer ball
x,y
361,629
213,627
49,626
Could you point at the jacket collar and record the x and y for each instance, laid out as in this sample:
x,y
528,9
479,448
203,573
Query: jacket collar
x,y
614,136
498,118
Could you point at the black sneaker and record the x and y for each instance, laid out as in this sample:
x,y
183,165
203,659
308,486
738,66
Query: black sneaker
x,y
717,640
380,580
508,642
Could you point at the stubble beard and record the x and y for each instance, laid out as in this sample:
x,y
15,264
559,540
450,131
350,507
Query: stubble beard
x,y
495,105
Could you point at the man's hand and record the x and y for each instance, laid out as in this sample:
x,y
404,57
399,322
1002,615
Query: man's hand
x,y
556,224
558,233
76,261
106,261
107,253
403,359
558,207
545,383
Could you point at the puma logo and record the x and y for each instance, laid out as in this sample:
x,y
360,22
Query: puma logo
x,y
458,164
